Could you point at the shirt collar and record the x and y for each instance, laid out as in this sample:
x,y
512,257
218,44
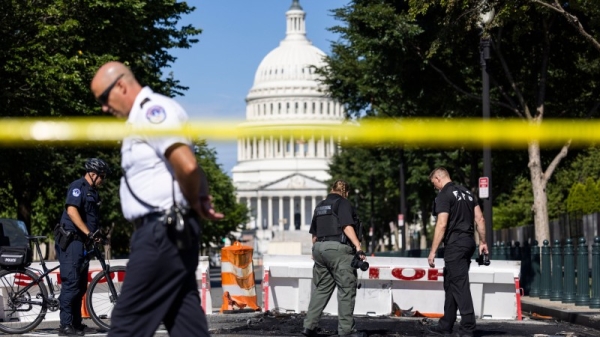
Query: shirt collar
x,y
447,186
86,183
144,93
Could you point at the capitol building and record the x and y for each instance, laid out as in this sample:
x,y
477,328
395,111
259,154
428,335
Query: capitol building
x,y
281,178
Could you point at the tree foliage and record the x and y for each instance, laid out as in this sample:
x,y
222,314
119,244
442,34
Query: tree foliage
x,y
584,165
515,208
422,58
50,52
224,200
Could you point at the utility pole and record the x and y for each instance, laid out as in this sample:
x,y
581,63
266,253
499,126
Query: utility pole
x,y
402,226
484,49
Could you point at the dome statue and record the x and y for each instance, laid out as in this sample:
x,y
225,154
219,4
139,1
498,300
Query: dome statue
x,y
281,178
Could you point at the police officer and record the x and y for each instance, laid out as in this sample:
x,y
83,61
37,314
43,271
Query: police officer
x,y
80,218
335,244
457,210
162,182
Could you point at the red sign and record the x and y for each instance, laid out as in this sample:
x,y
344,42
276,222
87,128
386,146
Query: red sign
x,y
484,187
414,274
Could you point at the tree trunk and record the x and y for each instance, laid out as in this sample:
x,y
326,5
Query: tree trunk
x,y
540,199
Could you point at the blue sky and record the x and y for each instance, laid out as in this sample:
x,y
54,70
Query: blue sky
x,y
237,35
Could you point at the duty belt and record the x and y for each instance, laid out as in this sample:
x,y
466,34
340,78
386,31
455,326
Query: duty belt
x,y
150,217
335,238
77,235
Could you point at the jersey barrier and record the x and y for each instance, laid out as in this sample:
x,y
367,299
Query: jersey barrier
x,y
407,282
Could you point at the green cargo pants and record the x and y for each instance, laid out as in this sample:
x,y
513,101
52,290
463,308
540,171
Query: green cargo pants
x,y
332,268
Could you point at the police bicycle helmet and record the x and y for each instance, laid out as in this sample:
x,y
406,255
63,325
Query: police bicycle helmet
x,y
97,166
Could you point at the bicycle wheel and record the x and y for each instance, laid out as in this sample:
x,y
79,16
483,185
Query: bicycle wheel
x,y
24,301
100,300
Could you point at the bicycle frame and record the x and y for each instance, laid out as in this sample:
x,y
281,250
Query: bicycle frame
x,y
105,269
46,272
28,291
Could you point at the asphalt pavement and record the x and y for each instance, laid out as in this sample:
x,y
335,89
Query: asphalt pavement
x,y
540,318
272,324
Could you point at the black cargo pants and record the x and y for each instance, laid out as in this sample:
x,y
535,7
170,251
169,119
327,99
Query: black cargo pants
x,y
160,285
457,259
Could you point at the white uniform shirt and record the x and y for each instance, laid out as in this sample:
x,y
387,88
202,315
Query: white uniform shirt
x,y
149,173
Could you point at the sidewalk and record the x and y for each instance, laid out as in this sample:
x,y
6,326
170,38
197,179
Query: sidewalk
x,y
581,315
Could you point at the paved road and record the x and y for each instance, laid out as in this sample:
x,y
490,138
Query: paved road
x,y
259,324
273,324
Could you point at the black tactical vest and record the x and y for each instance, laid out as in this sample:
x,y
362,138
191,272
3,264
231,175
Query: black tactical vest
x,y
327,219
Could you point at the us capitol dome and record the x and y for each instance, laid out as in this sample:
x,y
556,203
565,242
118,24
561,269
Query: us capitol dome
x,y
282,178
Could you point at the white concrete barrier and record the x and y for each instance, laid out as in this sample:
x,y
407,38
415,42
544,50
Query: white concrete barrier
x,y
408,282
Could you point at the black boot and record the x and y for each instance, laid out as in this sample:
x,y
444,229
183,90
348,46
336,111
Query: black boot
x,y
309,332
69,330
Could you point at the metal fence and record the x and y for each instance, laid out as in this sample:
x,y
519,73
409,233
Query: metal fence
x,y
571,225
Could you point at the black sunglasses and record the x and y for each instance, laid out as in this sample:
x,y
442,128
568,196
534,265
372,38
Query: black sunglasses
x,y
103,98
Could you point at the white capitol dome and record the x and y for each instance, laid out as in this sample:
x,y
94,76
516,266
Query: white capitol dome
x,y
281,178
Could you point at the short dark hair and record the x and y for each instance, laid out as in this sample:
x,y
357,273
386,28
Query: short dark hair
x,y
439,169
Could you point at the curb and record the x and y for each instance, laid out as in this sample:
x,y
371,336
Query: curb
x,y
563,312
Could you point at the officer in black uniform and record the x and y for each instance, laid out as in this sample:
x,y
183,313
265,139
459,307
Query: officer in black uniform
x,y
335,244
457,210
80,221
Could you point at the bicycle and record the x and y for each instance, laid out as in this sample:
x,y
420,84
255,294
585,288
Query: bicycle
x,y
28,293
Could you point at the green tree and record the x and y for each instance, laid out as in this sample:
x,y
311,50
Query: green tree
x,y
531,87
224,200
583,197
515,208
378,68
591,196
50,50
420,58
576,199
584,165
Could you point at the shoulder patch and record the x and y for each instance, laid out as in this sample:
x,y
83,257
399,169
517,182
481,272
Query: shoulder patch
x,y
156,114
76,192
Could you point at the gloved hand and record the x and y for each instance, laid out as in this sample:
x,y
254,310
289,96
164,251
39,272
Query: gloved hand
x,y
360,255
96,236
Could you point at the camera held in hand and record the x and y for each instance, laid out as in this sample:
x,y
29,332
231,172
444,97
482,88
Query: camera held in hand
x,y
358,263
483,260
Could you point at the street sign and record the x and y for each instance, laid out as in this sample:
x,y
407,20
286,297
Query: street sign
x,y
484,187
400,220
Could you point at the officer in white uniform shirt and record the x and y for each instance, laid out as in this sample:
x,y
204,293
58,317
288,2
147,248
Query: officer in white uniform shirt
x,y
158,173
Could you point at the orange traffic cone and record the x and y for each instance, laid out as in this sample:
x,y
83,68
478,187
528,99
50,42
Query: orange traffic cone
x,y
230,304
237,278
84,312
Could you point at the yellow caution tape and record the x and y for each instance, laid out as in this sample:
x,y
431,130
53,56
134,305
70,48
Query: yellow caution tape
x,y
437,133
